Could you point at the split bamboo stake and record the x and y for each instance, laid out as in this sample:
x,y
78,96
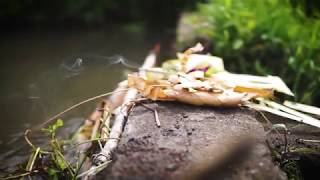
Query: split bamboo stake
x,y
117,128
121,115
113,102
305,118
100,115
281,110
103,111
303,107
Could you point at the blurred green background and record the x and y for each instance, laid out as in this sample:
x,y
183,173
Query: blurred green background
x,y
276,37
86,12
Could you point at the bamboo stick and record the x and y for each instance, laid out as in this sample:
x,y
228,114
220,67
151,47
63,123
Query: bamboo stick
x,y
303,107
262,107
281,110
113,102
102,111
117,128
305,118
92,125
121,115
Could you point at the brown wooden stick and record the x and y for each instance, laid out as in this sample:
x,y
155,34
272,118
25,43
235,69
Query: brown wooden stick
x,y
156,116
120,119
113,102
155,112
102,112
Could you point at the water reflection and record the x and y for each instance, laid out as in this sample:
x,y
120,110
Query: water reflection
x,y
44,73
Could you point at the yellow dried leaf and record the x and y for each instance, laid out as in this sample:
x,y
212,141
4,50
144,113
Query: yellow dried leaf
x,y
265,93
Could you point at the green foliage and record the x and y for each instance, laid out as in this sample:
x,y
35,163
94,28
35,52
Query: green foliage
x,y
53,174
52,129
57,157
265,37
293,170
49,160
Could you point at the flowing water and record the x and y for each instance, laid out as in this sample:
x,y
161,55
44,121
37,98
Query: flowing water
x,y
43,73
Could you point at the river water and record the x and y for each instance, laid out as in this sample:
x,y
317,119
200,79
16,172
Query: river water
x,y
44,72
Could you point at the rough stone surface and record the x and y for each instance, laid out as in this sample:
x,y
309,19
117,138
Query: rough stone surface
x,y
188,135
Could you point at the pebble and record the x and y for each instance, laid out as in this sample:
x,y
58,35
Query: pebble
x,y
171,167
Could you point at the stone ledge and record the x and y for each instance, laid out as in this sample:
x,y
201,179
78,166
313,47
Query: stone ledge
x,y
187,136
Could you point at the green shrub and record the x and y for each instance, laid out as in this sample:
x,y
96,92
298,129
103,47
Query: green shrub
x,y
265,37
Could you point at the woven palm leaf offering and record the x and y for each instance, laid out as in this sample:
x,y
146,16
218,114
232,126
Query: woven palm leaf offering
x,y
199,79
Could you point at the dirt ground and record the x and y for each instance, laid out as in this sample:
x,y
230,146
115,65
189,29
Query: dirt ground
x,y
192,142
295,152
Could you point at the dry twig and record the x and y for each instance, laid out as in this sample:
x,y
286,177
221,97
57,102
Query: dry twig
x,y
155,112
120,119
79,104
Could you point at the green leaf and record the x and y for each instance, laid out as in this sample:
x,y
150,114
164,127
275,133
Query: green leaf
x,y
210,72
59,160
51,130
53,173
292,61
237,44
